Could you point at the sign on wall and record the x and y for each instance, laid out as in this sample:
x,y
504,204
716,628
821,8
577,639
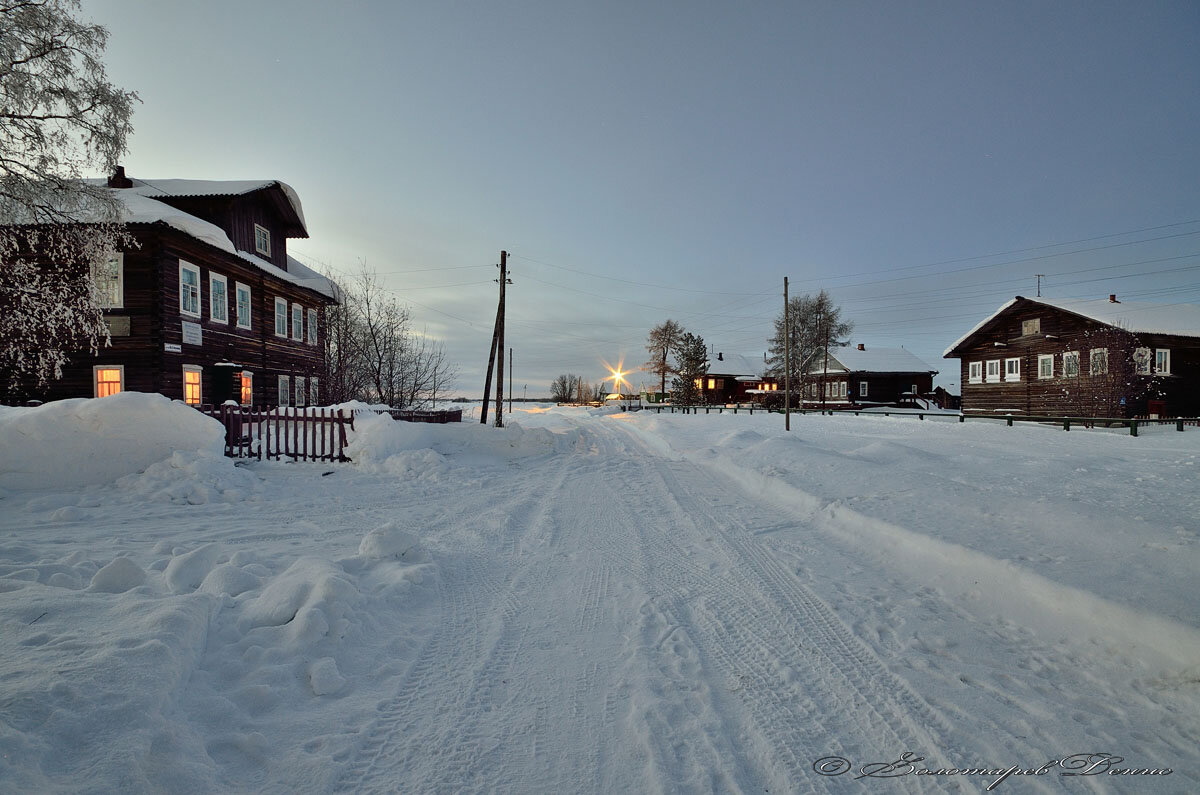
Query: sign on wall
x,y
192,334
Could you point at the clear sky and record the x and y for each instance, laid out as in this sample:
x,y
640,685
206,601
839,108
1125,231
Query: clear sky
x,y
645,160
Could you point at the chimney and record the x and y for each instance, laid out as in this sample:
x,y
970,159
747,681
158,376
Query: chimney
x,y
862,347
1112,298
720,356
119,180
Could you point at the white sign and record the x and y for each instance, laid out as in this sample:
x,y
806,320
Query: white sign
x,y
191,334
171,347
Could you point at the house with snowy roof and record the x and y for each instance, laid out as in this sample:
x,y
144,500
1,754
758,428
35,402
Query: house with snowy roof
x,y
856,375
736,378
1094,358
208,306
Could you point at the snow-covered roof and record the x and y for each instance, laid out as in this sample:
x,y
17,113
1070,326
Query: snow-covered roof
x,y
848,358
738,365
140,209
1182,320
153,188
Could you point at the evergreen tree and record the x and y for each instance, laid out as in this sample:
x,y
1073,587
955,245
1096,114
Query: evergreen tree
x,y
691,366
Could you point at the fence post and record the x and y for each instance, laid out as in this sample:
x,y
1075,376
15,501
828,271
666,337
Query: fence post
x,y
1066,423
962,418
920,416
1133,427
1010,422
1179,425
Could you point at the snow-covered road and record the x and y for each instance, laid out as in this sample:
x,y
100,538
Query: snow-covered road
x,y
616,603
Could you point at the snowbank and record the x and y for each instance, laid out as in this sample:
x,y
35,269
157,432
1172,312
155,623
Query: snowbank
x,y
87,441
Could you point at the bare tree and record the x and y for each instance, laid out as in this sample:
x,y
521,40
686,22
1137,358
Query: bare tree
x,y
59,118
816,325
1112,374
563,388
663,342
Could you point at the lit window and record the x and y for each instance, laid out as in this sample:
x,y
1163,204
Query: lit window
x,y
1098,361
262,240
108,380
1012,370
1033,326
1162,361
712,383
191,385
1046,366
243,305
976,373
297,322
285,389
1071,364
993,370
281,312
247,390
313,394
312,327
1141,361
301,390
189,289
218,298
110,282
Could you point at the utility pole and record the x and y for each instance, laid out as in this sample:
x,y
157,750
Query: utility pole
x,y
487,383
510,389
1040,276
787,360
500,344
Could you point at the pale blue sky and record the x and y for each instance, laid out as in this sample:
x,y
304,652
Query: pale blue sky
x,y
879,150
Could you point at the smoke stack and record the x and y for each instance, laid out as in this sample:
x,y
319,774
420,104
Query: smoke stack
x,y
1112,298
862,347
119,180
720,356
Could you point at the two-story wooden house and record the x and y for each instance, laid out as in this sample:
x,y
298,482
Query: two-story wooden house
x,y
208,306
1094,358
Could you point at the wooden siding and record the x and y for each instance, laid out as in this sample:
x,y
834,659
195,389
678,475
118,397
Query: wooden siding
x,y
881,387
1061,332
237,216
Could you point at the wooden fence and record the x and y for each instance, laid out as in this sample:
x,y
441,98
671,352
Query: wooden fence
x,y
444,416
312,434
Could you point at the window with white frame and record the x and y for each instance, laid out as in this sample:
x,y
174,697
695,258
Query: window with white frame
x,y
1098,361
916,390
312,327
301,390
191,385
218,298
1141,361
108,379
1071,364
297,322
281,312
844,390
110,282
262,240
246,393
975,373
243,305
285,390
189,289
314,398
1046,366
1162,361
993,370
862,389
1031,326
1012,369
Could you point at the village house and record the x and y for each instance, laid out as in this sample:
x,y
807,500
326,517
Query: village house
x,y
1094,358
208,306
857,375
734,378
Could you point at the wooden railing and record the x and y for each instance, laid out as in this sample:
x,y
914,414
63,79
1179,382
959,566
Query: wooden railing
x,y
301,434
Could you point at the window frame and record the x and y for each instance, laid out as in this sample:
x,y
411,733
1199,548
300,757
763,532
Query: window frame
x,y
1162,356
237,289
199,371
314,393
1069,356
311,335
187,267
863,389
1031,326
281,313
297,328
1009,375
975,372
103,294
246,391
1042,357
284,398
1143,360
300,395
1092,359
215,278
989,376
262,240
96,368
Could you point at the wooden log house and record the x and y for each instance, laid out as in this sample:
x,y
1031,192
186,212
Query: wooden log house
x,y
208,306
858,375
734,378
1092,358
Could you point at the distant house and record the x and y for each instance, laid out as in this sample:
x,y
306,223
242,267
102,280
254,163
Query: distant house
x,y
208,306
734,378
861,375
1096,358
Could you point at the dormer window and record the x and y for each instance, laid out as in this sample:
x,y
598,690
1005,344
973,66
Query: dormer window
x,y
262,240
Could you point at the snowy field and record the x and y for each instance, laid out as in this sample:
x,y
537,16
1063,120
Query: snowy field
x,y
588,601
